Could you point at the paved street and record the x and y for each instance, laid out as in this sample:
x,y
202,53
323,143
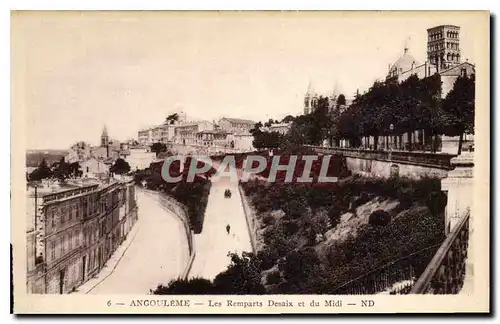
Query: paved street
x,y
158,253
213,244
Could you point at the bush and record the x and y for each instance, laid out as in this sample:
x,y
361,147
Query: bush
x,y
195,286
436,202
273,278
269,220
290,227
242,276
361,200
379,217
268,257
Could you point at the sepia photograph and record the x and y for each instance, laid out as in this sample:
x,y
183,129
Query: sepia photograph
x,y
262,162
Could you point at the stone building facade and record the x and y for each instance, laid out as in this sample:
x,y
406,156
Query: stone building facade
x,y
235,125
76,230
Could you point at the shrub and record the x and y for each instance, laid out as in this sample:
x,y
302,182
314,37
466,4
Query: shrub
x,y
242,276
268,257
269,220
273,278
436,202
195,286
290,227
379,217
361,200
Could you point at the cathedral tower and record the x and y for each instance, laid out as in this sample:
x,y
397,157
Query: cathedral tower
x,y
443,46
104,137
310,99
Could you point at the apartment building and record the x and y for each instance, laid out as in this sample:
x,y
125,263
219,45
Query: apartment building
x,y
73,230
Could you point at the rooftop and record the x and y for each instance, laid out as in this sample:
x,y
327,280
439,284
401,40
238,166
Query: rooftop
x,y
443,26
239,120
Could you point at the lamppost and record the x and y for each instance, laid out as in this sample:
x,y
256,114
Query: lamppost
x,y
391,129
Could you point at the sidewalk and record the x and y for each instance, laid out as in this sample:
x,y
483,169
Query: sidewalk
x,y
111,264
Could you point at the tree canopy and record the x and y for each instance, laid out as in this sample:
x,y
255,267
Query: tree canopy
x,y
61,170
387,108
458,109
120,167
158,147
171,119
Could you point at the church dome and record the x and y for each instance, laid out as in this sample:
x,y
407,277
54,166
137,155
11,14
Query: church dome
x,y
404,63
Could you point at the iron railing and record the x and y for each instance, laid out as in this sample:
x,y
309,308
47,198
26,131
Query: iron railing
x,y
395,277
445,274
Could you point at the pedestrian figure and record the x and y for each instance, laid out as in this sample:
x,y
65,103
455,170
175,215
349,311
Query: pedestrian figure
x,y
228,228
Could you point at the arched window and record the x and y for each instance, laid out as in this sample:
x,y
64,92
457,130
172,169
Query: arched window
x,y
448,57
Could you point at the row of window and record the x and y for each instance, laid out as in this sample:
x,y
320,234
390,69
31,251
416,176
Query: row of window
x,y
67,243
453,46
439,35
450,57
66,213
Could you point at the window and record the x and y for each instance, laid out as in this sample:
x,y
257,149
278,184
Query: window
x,y
463,72
52,250
63,214
61,242
73,276
70,213
77,239
53,219
70,242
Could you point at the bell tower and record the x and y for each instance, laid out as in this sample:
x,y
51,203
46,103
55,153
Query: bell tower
x,y
104,137
443,46
310,99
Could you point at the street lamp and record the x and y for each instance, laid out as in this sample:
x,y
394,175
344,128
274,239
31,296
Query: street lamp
x,y
391,129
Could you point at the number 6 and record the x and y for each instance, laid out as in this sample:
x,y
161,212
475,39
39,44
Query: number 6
x,y
109,303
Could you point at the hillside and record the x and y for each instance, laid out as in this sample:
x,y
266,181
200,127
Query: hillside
x,y
316,239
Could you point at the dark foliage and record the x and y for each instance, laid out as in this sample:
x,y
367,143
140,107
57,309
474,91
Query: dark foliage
x,y
379,218
120,167
195,286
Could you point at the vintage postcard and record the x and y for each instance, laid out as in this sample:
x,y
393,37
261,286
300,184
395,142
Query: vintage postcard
x,y
250,162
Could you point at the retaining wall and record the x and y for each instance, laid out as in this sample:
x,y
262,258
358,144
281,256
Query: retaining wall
x,y
251,220
180,211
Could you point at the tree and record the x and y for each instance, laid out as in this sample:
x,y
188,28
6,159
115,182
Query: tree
x,y
266,140
242,277
62,170
41,172
171,119
288,119
120,167
431,111
75,169
341,100
256,128
158,147
269,122
459,109
194,286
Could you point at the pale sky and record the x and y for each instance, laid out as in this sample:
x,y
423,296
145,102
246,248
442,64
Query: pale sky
x,y
80,71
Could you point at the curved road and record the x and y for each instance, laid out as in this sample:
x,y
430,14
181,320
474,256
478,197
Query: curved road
x,y
158,253
213,244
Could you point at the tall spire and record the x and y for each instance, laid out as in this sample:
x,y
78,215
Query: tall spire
x,y
336,90
406,44
310,88
104,131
